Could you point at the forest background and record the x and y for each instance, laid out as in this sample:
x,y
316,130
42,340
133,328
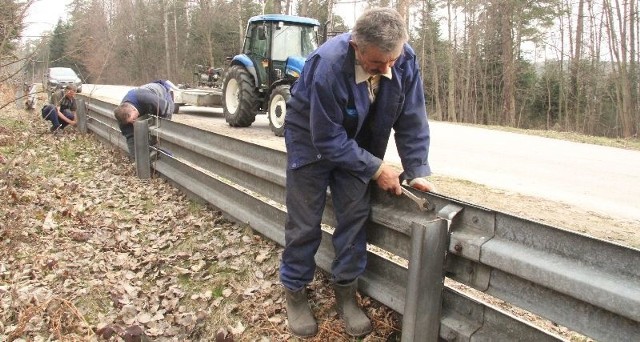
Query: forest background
x,y
564,65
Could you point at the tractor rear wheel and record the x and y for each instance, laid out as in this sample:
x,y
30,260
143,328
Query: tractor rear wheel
x,y
278,108
239,100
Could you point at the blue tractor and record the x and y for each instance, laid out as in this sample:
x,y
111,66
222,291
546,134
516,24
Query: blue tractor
x,y
258,80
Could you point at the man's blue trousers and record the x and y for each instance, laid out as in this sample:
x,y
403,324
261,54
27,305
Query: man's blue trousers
x,y
306,193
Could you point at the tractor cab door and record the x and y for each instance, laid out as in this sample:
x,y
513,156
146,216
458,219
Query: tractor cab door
x,y
257,48
291,40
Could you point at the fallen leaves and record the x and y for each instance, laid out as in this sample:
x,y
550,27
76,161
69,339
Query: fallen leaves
x,y
90,252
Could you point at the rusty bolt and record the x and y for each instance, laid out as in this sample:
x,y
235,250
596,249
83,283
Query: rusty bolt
x,y
458,248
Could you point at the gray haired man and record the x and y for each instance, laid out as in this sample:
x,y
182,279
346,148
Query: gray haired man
x,y
353,90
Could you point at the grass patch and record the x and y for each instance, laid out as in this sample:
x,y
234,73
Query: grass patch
x,y
195,208
148,205
92,303
216,292
68,153
12,124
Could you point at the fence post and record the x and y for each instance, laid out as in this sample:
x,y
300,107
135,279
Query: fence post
x,y
20,97
141,148
423,302
82,116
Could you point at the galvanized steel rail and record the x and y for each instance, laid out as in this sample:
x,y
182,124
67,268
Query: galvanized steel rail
x,y
588,285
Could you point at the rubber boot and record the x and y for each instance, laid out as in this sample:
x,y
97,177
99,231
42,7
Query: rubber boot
x,y
356,322
299,315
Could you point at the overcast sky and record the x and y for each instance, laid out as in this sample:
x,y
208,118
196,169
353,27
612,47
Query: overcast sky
x,y
43,16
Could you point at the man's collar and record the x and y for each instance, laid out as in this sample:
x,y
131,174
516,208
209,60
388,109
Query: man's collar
x,y
362,75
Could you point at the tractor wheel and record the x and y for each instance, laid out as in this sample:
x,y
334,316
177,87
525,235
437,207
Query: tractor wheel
x,y
278,108
239,101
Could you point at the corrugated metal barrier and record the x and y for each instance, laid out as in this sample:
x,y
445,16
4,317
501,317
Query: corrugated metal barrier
x,y
588,285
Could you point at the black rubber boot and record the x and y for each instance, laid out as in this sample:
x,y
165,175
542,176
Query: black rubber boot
x,y
356,322
301,321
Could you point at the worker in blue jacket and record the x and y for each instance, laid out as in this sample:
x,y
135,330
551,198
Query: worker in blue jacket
x,y
153,99
352,91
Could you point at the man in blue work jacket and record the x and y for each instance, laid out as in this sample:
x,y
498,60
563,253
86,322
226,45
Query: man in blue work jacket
x,y
352,91
153,98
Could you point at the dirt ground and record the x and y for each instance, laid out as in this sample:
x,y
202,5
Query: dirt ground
x,y
90,252
621,231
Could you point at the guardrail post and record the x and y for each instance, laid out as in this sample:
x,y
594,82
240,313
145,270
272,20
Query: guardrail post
x,y
82,116
423,302
141,148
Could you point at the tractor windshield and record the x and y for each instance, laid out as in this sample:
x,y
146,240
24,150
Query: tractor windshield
x,y
293,40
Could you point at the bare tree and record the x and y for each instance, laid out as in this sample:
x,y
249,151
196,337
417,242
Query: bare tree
x,y
506,12
619,48
277,6
11,26
451,88
167,50
428,52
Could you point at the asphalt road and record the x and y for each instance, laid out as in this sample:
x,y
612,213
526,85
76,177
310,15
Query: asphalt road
x,y
601,179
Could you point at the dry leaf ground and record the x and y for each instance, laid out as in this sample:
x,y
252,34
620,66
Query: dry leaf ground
x,y
89,252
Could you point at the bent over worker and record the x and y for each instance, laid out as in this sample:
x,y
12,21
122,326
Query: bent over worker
x,y
352,91
153,98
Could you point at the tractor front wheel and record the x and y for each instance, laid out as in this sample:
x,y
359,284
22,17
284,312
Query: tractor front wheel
x,y
239,100
278,108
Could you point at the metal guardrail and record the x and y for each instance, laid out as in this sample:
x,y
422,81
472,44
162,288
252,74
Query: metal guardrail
x,y
588,285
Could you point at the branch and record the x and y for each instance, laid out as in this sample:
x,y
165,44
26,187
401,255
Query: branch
x,y
11,26
19,59
4,105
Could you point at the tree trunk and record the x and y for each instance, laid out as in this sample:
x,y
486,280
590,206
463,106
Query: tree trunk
x,y
620,60
175,36
304,8
575,95
240,24
403,8
633,66
167,48
508,72
435,79
451,86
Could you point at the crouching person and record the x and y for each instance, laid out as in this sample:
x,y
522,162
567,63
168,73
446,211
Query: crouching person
x,y
62,109
151,99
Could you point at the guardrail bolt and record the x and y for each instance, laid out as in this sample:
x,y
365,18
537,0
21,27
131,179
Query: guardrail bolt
x,y
457,248
475,220
451,336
